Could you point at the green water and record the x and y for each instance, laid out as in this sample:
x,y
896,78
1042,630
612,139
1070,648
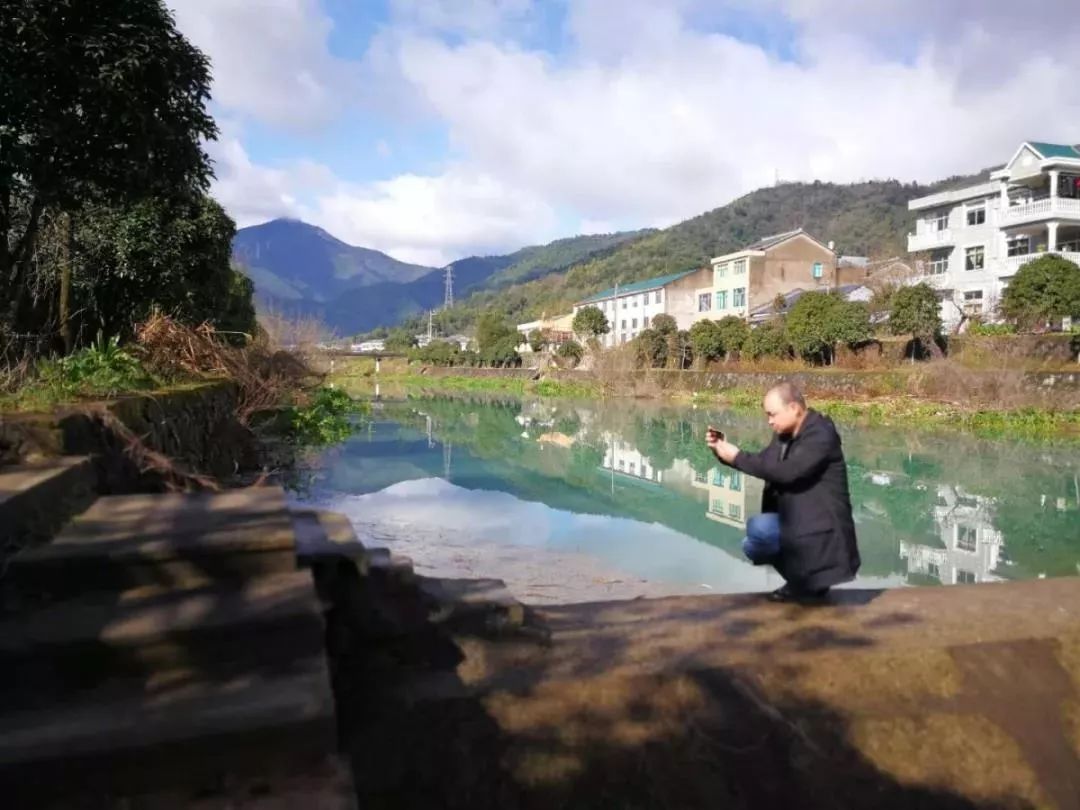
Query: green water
x,y
632,487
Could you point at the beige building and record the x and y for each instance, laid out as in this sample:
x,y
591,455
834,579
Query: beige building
x,y
558,330
779,264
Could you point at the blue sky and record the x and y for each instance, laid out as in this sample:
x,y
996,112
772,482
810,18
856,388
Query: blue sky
x,y
436,129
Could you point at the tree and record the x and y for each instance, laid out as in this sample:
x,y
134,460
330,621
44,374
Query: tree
x,y
167,254
768,340
1044,289
102,101
652,348
916,311
818,321
496,340
571,351
665,325
492,329
706,340
538,340
399,340
733,334
591,322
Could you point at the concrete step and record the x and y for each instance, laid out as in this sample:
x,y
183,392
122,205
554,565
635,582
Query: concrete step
x,y
37,498
175,540
169,733
210,633
322,535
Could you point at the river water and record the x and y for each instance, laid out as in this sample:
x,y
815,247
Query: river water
x,y
581,501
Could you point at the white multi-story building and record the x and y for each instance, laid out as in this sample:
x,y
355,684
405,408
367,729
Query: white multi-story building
x,y
631,308
974,239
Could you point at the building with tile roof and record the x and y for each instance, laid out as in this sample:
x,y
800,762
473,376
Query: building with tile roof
x,y
631,308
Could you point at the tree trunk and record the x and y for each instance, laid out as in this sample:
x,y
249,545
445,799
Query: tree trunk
x,y
68,253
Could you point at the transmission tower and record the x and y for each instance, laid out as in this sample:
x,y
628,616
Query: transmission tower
x,y
448,300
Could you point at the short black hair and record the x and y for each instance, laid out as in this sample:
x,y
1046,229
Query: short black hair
x,y
788,393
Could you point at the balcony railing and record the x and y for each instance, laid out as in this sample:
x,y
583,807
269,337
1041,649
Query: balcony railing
x,y
929,239
1011,264
1040,209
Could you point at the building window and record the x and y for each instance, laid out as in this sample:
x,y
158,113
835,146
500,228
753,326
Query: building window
x,y
704,302
1018,245
819,269
973,258
721,269
701,478
633,468
736,481
938,222
721,299
645,321
933,570
659,296
634,300
973,302
623,324
976,214
966,538
716,507
734,511
719,479
738,266
939,264
624,303
622,464
964,577
633,323
738,297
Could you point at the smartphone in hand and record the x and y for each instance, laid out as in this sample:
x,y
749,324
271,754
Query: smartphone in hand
x,y
713,435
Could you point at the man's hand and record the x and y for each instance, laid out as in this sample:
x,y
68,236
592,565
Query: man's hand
x,y
722,449
725,451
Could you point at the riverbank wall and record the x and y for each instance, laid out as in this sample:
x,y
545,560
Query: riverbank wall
x,y
134,439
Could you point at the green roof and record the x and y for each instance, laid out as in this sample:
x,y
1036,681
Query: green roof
x,y
1054,150
637,287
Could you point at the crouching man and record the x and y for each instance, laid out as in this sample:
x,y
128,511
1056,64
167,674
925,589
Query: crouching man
x,y
806,530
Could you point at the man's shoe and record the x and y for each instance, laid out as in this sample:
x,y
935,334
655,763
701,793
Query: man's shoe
x,y
785,593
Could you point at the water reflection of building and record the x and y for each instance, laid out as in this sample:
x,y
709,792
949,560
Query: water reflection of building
x,y
971,548
621,457
732,495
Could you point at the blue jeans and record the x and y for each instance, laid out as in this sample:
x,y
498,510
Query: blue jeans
x,y
762,542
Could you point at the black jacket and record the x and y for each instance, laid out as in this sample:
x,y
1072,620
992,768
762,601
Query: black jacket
x,y
806,484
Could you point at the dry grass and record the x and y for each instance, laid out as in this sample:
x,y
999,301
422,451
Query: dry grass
x,y
265,375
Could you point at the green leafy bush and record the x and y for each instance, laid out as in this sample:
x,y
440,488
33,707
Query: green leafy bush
x,y
103,369
325,419
991,329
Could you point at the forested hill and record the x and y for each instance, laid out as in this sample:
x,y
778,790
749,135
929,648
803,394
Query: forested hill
x,y
863,219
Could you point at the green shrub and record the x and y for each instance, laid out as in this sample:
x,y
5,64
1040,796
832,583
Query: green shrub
x,y
103,369
991,329
325,419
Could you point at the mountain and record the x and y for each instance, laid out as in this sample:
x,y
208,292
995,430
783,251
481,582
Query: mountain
x,y
863,219
290,260
300,269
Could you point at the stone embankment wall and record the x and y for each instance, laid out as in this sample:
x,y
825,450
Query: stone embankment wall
x,y
481,373
195,427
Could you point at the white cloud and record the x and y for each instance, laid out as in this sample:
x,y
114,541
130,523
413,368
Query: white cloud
x,y
460,16
668,122
644,120
434,220
270,58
